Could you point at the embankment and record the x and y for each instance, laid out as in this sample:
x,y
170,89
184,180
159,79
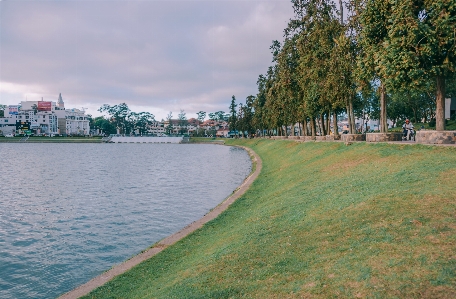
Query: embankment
x,y
321,220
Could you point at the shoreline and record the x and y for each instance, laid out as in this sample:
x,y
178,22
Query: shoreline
x,y
116,270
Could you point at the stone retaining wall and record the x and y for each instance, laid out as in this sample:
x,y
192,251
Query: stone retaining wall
x,y
436,137
332,137
353,137
423,137
383,137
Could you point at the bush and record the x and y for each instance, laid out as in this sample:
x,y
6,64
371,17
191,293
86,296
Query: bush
x,y
432,123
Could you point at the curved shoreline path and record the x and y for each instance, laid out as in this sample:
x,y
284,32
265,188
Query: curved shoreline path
x,y
161,245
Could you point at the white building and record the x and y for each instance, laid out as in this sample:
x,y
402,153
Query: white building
x,y
156,128
45,117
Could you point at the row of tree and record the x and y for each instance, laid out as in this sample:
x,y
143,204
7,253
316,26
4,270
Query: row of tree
x,y
119,118
380,59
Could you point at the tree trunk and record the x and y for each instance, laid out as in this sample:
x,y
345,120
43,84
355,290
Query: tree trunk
x,y
312,126
348,117
322,122
336,128
383,117
304,127
328,123
351,117
440,104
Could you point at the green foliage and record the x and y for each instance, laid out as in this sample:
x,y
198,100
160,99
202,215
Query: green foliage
x,y
169,128
104,125
123,119
325,66
233,114
182,121
420,46
201,116
244,122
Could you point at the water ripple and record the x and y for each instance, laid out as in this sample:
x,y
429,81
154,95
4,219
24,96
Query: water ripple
x,y
68,212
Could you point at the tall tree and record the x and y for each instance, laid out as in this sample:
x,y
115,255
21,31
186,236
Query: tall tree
x,y
422,45
258,105
373,18
104,125
183,122
318,30
169,127
233,115
246,116
200,116
118,113
219,115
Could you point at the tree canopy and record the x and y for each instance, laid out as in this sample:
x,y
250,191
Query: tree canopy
x,y
383,60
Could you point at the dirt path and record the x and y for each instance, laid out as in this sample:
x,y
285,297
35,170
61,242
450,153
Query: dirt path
x,y
125,266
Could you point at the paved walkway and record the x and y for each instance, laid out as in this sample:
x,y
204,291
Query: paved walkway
x,y
127,265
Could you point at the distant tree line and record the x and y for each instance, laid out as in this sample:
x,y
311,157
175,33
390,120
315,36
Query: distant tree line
x,y
380,60
121,119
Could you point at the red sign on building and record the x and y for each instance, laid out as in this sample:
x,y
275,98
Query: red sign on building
x,y
44,106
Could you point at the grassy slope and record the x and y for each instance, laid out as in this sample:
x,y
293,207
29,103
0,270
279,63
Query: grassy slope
x,y
322,220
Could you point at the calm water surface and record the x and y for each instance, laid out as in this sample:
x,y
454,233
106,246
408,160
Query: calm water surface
x,y
68,212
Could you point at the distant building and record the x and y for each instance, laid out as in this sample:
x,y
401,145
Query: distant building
x,y
156,128
44,117
223,133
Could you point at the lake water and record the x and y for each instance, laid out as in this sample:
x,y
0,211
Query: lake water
x,y
68,212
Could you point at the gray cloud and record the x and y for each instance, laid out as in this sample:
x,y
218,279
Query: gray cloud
x,y
154,55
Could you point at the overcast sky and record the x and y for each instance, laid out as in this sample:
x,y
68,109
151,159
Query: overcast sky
x,y
156,56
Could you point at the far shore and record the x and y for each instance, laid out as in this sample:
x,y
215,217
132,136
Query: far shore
x,y
52,140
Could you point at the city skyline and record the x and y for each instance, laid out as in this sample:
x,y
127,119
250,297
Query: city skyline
x,y
155,56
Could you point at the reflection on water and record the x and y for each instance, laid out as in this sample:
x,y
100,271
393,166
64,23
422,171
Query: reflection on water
x,y
68,212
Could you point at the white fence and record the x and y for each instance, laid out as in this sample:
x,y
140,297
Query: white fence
x,y
116,139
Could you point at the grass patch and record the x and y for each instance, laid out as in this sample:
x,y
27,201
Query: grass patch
x,y
206,139
322,220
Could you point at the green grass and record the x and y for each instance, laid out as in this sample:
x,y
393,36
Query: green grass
x,y
323,220
206,139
